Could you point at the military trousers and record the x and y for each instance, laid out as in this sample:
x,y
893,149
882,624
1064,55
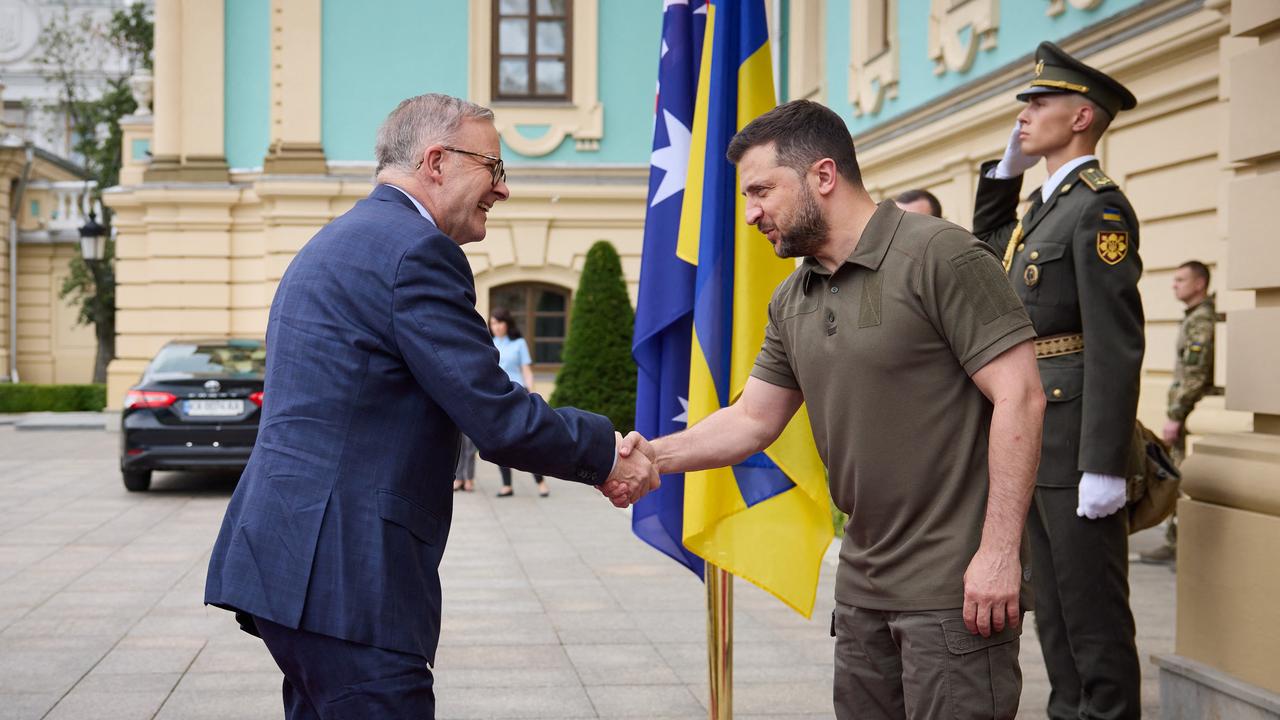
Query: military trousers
x,y
920,665
1080,574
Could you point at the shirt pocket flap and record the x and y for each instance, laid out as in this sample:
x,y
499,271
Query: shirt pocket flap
x,y
1047,252
395,508
1062,384
961,642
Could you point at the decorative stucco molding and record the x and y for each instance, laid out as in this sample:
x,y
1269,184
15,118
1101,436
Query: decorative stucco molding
x,y
582,118
1057,7
873,67
979,20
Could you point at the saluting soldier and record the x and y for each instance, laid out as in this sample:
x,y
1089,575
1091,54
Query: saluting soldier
x,y
1192,376
1073,260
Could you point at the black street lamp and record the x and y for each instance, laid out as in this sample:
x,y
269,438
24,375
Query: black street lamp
x,y
93,240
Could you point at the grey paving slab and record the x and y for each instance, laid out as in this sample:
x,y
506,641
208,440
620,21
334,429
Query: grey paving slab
x,y
465,703
62,421
552,608
26,705
646,701
135,655
90,705
620,665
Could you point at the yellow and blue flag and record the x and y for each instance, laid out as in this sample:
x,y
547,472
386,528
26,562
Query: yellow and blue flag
x,y
768,519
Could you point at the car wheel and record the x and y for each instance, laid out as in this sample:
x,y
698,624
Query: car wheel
x,y
137,480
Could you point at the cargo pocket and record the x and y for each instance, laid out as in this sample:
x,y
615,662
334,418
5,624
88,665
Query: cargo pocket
x,y
399,510
983,676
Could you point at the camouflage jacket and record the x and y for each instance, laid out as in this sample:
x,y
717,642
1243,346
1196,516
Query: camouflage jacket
x,y
1193,369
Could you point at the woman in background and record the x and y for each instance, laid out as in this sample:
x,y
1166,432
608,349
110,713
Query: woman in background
x,y
464,474
513,356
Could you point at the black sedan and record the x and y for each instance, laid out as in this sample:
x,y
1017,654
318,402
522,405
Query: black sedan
x,y
196,408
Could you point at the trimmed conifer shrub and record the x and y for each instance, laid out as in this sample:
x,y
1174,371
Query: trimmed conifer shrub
x,y
599,373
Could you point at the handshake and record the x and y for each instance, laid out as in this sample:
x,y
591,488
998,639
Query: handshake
x,y
634,473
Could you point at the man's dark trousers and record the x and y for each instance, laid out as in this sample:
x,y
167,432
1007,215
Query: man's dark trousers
x,y
326,678
1081,577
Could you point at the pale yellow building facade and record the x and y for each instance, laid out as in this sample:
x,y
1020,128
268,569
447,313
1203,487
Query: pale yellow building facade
x,y
51,346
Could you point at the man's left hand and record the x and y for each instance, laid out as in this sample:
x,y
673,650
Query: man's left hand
x,y
1100,495
1172,428
991,586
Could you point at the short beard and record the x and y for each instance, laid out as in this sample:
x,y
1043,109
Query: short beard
x,y
808,229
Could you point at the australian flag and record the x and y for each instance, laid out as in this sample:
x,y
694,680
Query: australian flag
x,y
664,311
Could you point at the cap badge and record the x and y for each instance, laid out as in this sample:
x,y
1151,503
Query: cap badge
x,y
1039,68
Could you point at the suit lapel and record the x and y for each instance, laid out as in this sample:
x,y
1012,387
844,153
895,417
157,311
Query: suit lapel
x,y
1036,214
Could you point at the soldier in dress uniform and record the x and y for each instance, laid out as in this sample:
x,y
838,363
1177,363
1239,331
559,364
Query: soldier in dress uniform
x,y
1192,376
1073,260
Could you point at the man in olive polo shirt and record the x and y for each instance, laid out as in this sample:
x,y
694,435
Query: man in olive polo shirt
x,y
915,357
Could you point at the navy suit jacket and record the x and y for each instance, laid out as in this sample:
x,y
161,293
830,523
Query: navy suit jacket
x,y
376,358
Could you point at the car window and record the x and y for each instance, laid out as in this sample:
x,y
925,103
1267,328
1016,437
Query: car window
x,y
233,359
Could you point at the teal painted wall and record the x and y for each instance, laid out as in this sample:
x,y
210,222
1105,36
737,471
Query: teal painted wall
x,y
1023,25
376,54
630,39
247,91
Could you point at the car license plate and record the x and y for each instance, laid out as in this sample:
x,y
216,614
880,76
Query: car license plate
x,y
214,408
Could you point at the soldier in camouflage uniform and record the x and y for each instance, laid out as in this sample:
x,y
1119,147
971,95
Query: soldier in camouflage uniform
x,y
1192,375
1073,261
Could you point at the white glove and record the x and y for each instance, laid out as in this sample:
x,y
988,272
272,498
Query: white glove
x,y
1014,163
1100,495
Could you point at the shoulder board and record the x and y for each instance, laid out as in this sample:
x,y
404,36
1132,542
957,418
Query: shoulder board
x,y
1097,180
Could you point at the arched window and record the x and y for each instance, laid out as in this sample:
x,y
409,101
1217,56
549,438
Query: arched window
x,y
542,312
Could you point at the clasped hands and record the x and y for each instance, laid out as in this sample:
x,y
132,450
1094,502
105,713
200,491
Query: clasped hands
x,y
634,474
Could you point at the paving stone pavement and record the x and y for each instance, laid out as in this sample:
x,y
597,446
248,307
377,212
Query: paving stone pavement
x,y
552,609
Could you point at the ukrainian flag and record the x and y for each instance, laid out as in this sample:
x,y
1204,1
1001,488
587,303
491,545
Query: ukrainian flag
x,y
767,520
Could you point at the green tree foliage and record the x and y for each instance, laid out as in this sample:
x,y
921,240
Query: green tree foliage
x,y
72,47
599,373
26,397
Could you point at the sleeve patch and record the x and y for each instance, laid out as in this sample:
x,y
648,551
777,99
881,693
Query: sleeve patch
x,y
984,284
1112,215
1113,246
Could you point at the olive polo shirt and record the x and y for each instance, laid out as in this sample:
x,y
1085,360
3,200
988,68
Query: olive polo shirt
x,y
883,350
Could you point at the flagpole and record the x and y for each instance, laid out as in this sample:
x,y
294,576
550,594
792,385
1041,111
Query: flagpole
x,y
720,642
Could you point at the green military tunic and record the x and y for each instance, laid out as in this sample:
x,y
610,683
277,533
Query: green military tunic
x,y
1073,261
1193,366
1193,369
1076,268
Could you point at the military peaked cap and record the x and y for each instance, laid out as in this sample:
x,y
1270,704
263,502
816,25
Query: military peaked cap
x,y
1058,72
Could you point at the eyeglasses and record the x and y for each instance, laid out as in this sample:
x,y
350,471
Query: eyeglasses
x,y
497,173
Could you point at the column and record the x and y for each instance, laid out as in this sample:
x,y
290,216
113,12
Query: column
x,y
189,82
166,145
295,89
1228,625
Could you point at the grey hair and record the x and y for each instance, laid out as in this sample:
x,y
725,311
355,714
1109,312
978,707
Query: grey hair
x,y
419,122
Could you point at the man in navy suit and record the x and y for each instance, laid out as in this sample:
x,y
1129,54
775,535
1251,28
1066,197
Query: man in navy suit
x,y
376,358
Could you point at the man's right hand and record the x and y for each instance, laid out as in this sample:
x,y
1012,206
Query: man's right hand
x,y
1014,162
634,474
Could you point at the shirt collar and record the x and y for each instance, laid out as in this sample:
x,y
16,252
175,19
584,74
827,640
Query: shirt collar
x,y
421,210
872,245
1046,190
1192,308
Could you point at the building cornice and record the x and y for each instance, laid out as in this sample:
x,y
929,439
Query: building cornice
x,y
1002,82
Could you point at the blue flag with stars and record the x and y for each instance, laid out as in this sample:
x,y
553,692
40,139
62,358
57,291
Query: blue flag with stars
x,y
664,310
